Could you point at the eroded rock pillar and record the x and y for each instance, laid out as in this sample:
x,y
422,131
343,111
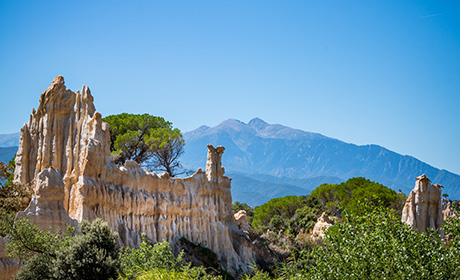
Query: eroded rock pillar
x,y
423,208
214,168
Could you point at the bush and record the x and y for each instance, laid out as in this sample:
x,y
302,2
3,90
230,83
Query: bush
x,y
346,196
91,255
284,207
377,245
149,257
158,262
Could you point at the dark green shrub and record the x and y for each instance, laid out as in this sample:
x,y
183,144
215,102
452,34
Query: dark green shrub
x,y
91,255
37,267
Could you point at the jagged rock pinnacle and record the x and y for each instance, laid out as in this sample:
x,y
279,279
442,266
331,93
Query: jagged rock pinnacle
x,y
59,80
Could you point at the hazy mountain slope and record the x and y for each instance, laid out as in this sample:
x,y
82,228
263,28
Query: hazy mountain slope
x,y
257,189
7,154
260,192
9,140
279,151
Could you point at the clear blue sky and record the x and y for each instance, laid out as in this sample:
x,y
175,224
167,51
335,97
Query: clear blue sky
x,y
365,72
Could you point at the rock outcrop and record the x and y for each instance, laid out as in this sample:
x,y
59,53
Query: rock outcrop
x,y
64,154
323,223
423,208
242,222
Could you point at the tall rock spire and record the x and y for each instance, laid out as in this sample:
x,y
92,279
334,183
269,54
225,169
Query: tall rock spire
x,y
423,208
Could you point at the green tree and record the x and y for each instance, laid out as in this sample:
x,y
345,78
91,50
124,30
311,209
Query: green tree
x,y
345,196
13,197
145,139
375,244
283,207
91,254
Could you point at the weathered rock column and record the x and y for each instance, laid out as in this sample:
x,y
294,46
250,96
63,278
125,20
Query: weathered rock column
x,y
423,208
214,168
64,154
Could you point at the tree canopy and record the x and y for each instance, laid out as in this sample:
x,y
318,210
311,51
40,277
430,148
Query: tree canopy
x,y
13,197
345,196
146,139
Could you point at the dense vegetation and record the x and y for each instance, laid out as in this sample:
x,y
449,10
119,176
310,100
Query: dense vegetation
x,y
347,195
369,241
145,139
13,197
375,245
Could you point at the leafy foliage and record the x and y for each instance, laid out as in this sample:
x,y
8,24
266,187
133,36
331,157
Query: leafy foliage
x,y
158,262
13,197
145,138
90,255
377,245
276,208
346,196
25,239
148,257
291,213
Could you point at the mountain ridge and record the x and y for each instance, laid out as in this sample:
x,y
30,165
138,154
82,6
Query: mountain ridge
x,y
273,149
261,153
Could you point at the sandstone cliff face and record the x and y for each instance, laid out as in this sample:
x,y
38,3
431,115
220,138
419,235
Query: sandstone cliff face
x,y
64,155
423,208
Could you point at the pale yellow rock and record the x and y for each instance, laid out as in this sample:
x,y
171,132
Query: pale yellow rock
x,y
64,154
447,209
46,208
242,220
423,208
322,223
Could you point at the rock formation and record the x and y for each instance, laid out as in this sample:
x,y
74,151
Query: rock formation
x,y
323,223
242,222
64,154
449,208
423,208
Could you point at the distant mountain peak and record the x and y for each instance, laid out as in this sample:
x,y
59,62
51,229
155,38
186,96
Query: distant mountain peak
x,y
203,128
276,150
232,124
257,123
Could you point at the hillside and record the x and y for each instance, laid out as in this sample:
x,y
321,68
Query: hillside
x,y
9,140
258,148
6,154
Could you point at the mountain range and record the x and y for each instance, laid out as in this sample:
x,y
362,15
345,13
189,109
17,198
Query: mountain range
x,y
8,146
270,160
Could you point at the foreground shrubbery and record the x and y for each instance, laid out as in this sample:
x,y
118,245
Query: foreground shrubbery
x,y
92,253
158,262
371,242
376,245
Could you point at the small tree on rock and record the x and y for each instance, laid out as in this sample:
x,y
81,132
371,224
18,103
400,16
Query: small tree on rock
x,y
146,139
